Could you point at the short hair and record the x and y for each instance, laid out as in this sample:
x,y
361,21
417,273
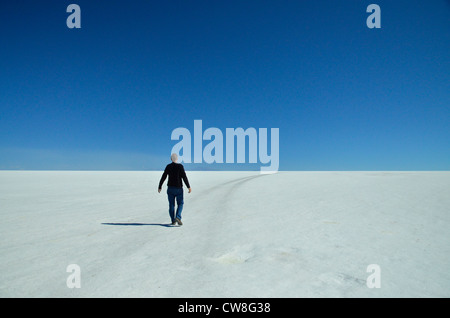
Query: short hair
x,y
174,157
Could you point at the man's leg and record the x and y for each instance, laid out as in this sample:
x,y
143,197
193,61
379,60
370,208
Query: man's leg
x,y
171,197
180,203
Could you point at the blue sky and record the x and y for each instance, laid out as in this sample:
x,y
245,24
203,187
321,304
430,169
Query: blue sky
x,y
107,96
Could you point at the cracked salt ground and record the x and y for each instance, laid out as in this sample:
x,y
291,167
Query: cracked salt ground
x,y
340,279
233,258
290,234
243,254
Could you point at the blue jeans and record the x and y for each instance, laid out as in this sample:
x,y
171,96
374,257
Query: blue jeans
x,y
172,194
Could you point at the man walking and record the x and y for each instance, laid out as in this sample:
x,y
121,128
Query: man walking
x,y
175,187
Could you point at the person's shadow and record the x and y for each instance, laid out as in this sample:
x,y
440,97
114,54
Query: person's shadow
x,y
140,224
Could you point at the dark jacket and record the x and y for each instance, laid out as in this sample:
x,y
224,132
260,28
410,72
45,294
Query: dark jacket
x,y
176,173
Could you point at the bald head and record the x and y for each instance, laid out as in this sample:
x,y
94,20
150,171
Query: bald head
x,y
174,157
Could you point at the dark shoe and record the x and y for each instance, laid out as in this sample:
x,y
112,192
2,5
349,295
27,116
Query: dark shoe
x,y
174,223
179,221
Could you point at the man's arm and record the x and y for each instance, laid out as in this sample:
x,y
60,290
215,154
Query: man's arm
x,y
185,179
163,178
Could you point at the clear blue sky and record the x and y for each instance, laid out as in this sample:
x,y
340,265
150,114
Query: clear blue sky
x,y
107,96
